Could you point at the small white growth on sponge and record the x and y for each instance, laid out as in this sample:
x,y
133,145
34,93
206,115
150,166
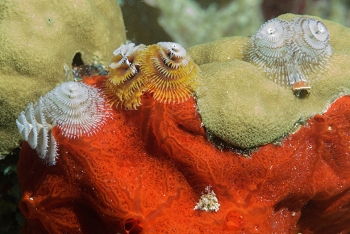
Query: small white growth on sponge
x,y
208,201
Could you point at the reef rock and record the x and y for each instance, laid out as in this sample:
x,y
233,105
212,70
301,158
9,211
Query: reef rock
x,y
240,105
145,171
38,41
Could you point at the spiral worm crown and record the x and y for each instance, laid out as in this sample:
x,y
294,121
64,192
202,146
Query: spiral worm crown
x,y
268,49
75,108
311,45
163,69
291,52
126,82
170,72
35,128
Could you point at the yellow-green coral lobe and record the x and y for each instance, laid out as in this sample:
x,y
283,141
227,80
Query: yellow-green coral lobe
x,y
38,41
221,50
242,106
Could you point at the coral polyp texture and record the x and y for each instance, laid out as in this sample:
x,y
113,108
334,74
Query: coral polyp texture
x,y
145,171
291,52
163,69
240,106
77,109
39,39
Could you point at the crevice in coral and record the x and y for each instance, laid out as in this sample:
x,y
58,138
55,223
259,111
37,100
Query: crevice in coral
x,y
77,60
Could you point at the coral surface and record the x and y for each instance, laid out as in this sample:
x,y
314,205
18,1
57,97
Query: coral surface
x,y
240,105
145,171
39,40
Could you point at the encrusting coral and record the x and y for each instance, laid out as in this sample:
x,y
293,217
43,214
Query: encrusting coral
x,y
39,40
145,170
240,105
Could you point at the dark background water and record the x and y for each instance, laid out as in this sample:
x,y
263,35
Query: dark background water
x,y
243,17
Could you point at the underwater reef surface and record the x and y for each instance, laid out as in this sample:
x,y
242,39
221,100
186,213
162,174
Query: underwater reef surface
x,y
129,152
146,169
239,101
9,189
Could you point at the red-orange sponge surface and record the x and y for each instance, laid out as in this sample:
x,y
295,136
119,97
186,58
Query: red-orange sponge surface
x,y
145,171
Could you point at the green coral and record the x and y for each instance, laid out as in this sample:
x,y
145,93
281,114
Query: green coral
x,y
38,41
243,107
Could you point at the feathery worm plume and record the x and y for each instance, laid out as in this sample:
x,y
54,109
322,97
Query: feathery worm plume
x,y
163,69
75,108
125,83
170,71
291,52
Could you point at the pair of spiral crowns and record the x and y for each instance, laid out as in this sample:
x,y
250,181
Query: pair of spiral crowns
x,y
291,52
163,69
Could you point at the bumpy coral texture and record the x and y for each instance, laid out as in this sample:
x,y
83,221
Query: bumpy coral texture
x,y
239,103
145,171
38,41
